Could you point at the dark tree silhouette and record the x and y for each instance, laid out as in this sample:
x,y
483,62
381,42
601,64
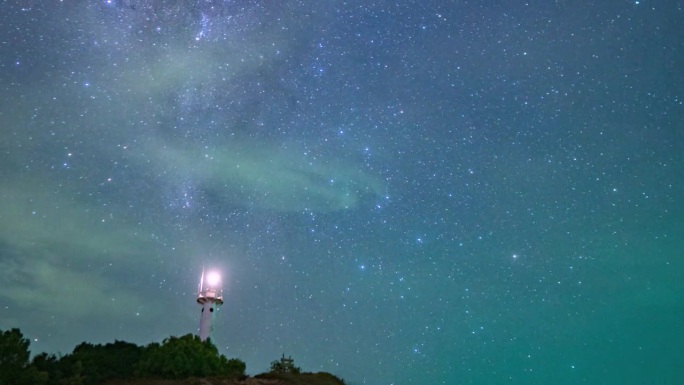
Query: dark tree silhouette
x,y
102,363
186,356
284,365
15,368
88,364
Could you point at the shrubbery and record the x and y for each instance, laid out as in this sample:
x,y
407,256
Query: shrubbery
x,y
14,361
88,364
174,358
284,365
186,356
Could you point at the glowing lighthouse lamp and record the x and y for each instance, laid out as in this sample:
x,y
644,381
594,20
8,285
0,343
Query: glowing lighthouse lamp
x,y
210,298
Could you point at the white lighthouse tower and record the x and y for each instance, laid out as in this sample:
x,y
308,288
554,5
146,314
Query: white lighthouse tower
x,y
209,296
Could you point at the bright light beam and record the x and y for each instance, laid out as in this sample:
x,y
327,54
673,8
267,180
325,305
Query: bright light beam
x,y
213,279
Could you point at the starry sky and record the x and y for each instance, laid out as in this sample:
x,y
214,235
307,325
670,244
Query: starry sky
x,y
397,192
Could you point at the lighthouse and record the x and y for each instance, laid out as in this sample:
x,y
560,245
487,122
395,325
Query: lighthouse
x,y
209,296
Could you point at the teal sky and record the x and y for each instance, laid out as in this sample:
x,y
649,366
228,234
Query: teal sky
x,y
407,192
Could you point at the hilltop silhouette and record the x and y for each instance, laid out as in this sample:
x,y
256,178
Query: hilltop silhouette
x,y
184,360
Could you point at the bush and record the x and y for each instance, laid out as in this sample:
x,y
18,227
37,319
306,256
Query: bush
x,y
14,361
186,356
88,364
284,365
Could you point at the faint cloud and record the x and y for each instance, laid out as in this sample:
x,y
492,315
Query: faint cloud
x,y
269,177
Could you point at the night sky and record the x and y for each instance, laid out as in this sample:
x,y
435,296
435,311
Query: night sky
x,y
396,192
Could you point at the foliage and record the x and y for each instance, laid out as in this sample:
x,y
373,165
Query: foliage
x,y
50,364
186,356
88,364
15,368
284,365
121,362
235,367
97,364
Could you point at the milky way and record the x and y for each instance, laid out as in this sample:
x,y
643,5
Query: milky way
x,y
395,192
